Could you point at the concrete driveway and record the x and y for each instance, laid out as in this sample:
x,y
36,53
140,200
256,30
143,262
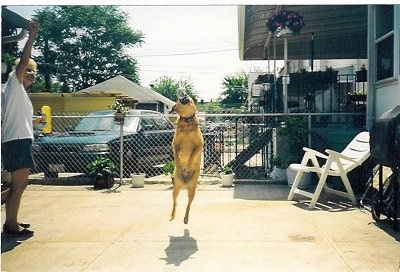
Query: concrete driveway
x,y
242,228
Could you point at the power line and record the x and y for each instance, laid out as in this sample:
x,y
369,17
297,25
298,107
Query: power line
x,y
189,53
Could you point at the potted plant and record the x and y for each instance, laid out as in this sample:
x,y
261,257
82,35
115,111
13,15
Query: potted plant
x,y
285,21
138,180
303,77
227,176
361,75
278,172
168,169
294,133
120,112
102,170
329,76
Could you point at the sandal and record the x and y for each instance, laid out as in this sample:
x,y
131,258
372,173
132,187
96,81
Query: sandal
x,y
24,225
17,233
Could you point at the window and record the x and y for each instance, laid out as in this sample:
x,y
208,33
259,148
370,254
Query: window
x,y
163,124
384,41
384,19
385,58
148,123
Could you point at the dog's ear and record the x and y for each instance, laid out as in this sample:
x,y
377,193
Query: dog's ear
x,y
173,110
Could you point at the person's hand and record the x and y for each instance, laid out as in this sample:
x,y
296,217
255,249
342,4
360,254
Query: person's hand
x,y
33,27
43,117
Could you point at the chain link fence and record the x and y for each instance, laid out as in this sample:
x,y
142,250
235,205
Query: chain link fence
x,y
246,142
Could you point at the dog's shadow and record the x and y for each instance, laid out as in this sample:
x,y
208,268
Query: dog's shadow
x,y
180,248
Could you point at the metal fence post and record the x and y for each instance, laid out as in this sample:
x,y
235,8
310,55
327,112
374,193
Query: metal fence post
x,y
121,152
309,130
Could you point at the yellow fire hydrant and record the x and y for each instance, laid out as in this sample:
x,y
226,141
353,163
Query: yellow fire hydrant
x,y
46,111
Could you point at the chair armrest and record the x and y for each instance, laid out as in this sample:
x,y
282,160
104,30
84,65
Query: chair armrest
x,y
315,152
341,156
304,168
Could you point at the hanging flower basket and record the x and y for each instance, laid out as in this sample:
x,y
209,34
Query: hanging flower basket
x,y
285,22
120,112
361,75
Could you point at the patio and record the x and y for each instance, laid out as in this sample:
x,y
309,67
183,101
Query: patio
x,y
241,228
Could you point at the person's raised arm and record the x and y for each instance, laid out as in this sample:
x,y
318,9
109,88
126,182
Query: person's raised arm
x,y
26,52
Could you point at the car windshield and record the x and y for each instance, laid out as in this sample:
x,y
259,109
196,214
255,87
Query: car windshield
x,y
106,123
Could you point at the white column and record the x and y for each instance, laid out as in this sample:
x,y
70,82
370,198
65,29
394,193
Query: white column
x,y
285,79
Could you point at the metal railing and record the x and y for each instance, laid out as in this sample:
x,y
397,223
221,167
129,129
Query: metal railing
x,y
344,94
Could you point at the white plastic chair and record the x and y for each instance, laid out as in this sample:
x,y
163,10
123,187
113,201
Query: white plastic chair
x,y
337,164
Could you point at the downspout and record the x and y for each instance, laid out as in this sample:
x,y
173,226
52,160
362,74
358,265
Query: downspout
x,y
371,74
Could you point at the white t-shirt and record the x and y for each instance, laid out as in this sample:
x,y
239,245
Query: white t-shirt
x,y
16,111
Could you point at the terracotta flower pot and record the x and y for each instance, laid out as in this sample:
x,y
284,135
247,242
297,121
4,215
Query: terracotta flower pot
x,y
119,118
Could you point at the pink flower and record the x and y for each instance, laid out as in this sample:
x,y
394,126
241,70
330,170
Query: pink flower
x,y
287,19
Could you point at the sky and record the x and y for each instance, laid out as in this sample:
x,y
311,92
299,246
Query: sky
x,y
198,43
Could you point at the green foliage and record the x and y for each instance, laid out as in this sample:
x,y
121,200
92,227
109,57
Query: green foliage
x,y
8,59
278,162
169,87
227,170
118,107
294,129
209,107
168,168
101,167
86,45
39,86
235,89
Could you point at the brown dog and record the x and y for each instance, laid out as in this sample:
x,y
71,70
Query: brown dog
x,y
187,146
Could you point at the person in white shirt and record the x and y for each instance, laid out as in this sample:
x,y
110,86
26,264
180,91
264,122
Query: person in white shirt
x,y
17,133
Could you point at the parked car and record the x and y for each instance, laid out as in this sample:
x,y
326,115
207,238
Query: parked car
x,y
214,127
147,137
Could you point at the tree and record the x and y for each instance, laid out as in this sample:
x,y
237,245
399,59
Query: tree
x,y
235,89
169,87
209,107
85,45
9,51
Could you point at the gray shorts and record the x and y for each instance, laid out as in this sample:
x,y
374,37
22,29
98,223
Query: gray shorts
x,y
17,155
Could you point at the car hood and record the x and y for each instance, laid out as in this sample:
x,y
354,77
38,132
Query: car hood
x,y
81,137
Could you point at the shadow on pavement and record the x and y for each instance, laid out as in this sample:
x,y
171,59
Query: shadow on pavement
x,y
266,192
180,249
387,226
10,242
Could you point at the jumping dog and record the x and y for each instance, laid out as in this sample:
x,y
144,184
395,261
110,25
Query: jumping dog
x,y
187,146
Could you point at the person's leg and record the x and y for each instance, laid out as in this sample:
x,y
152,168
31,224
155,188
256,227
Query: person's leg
x,y
19,182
